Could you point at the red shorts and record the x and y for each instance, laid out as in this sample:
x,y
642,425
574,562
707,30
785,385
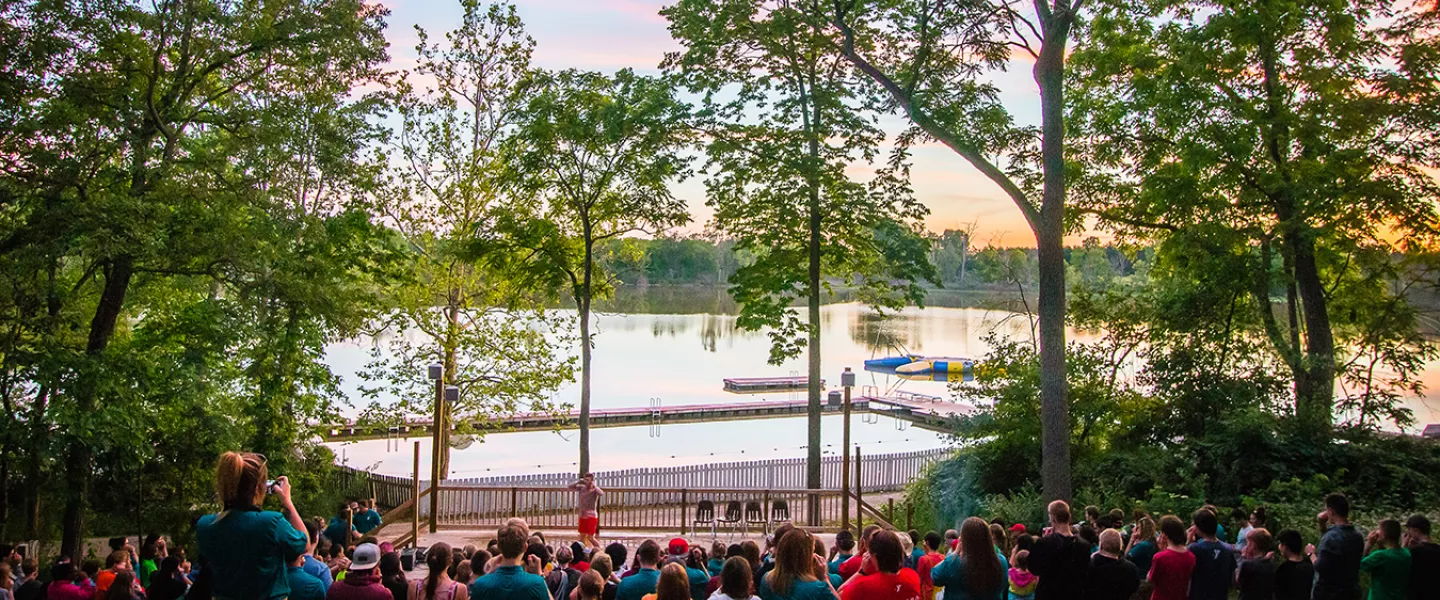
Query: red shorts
x,y
589,525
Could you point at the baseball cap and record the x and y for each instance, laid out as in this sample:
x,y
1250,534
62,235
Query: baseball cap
x,y
1419,523
678,546
367,556
1018,527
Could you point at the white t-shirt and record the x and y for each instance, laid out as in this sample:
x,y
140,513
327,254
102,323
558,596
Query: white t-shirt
x,y
718,595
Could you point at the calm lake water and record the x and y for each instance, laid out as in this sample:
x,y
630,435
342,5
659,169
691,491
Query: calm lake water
x,y
677,344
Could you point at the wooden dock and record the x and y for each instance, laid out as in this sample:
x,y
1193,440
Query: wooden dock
x,y
613,417
758,385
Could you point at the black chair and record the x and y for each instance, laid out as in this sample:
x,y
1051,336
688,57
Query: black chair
x,y
733,514
779,512
755,515
705,515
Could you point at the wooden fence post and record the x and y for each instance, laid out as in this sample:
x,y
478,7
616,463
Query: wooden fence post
x,y
859,490
684,512
514,502
415,501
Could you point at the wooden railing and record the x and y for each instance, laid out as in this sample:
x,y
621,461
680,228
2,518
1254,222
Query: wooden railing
x,y
636,509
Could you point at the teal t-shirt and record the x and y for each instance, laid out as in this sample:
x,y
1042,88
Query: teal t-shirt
x,y
950,574
840,559
716,565
1142,555
367,521
249,551
304,586
1389,571
699,580
802,590
510,583
636,586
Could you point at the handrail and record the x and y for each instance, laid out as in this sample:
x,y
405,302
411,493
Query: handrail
x,y
449,487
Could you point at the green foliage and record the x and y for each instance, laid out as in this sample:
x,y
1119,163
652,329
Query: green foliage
x,y
784,129
494,338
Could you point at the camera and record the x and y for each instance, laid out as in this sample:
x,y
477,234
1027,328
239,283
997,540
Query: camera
x,y
272,486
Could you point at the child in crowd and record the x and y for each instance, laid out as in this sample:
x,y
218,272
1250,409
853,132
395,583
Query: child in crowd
x,y
1022,582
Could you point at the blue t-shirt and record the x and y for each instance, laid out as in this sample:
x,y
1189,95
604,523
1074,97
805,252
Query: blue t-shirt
x,y
304,586
1214,570
950,574
1142,555
913,560
320,570
802,590
249,551
510,583
636,586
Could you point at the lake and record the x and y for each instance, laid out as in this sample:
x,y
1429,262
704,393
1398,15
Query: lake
x,y
677,344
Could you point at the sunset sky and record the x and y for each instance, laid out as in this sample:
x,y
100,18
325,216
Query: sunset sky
x,y
606,35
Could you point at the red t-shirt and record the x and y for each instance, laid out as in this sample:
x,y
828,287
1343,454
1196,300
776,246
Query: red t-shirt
x,y
1170,572
851,566
925,565
904,585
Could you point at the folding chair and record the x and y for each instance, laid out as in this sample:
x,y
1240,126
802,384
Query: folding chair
x,y
705,515
755,515
779,512
732,516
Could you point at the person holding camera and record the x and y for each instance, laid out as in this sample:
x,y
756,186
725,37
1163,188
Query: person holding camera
x,y
249,549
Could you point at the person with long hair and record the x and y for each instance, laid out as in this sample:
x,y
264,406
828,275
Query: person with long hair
x,y
885,577
737,582
392,576
1001,541
125,587
674,584
978,571
605,566
437,585
1142,546
248,548
167,583
793,577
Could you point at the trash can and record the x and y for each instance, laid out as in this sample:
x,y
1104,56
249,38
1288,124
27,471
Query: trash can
x,y
836,398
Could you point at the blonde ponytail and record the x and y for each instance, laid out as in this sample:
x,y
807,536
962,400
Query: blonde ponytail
x,y
239,479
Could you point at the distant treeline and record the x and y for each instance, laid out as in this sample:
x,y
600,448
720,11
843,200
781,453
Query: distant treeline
x,y
959,264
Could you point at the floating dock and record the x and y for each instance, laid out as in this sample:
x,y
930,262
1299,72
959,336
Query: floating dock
x,y
615,417
758,385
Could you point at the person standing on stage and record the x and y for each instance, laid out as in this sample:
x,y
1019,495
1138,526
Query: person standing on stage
x,y
589,505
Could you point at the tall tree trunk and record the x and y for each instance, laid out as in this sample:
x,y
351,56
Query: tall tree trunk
x,y
1315,384
582,305
36,451
78,467
812,388
1049,237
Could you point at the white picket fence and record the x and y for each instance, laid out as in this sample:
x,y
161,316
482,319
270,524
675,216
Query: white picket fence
x,y
878,472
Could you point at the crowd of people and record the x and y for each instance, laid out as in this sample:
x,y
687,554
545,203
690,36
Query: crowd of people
x,y
246,553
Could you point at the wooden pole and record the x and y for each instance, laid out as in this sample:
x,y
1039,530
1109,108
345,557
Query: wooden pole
x,y
435,426
415,505
845,468
859,514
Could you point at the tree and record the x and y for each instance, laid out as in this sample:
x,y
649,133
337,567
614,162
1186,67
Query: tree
x,y
591,160
1279,139
931,59
784,129
121,166
493,338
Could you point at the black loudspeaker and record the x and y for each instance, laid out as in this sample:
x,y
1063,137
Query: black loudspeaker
x,y
407,559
